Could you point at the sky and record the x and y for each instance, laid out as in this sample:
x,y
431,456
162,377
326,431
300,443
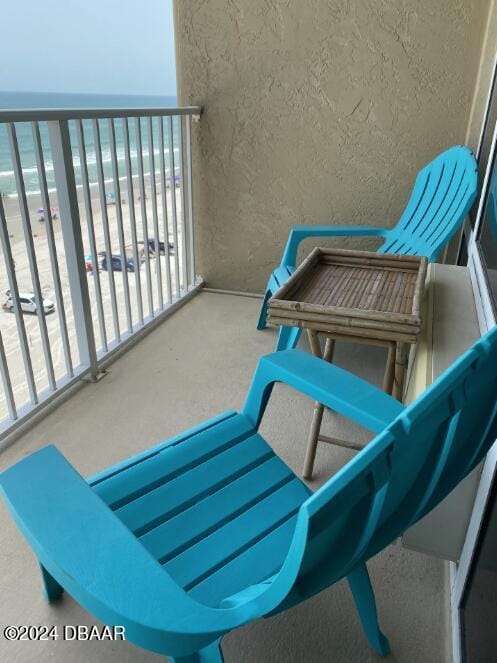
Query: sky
x,y
88,46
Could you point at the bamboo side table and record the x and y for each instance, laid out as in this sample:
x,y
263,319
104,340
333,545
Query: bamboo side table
x,y
354,296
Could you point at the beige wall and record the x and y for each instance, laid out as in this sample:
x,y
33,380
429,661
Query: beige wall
x,y
482,82
316,112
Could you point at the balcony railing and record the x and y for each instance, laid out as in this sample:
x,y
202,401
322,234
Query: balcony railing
x,y
97,242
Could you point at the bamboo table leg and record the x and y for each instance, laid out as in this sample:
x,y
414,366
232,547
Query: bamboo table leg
x,y
388,380
400,370
393,383
317,416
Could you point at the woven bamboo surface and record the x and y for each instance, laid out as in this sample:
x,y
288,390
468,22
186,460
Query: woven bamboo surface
x,y
365,293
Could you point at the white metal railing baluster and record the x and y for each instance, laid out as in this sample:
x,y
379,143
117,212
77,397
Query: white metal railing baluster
x,y
165,219
143,207
7,384
16,306
119,218
67,198
184,265
91,232
132,218
30,249
155,216
52,249
172,191
105,225
189,166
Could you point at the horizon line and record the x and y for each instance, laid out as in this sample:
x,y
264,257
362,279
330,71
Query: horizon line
x,y
100,94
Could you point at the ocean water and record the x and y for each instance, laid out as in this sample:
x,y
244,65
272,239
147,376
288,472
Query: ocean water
x,y
26,146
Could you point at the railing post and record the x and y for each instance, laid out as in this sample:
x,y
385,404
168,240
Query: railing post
x,y
189,169
67,197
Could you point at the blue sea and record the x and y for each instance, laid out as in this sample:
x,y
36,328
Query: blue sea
x,y
54,100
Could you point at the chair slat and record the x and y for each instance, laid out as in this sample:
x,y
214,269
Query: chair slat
x,y
168,499
219,548
381,475
448,435
171,461
452,181
215,509
436,235
432,191
263,559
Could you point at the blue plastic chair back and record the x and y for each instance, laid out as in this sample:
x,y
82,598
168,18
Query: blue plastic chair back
x,y
404,473
442,195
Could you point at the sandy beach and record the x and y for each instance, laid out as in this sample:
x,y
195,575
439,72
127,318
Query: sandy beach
x,y
152,272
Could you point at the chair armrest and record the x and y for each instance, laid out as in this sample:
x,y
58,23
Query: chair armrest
x,y
299,233
92,555
332,386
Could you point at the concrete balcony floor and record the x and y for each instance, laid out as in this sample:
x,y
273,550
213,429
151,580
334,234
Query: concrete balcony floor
x,y
197,363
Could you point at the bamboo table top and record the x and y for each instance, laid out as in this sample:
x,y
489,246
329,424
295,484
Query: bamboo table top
x,y
354,293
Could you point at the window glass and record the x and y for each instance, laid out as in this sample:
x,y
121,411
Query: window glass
x,y
487,239
484,154
486,144
463,255
479,607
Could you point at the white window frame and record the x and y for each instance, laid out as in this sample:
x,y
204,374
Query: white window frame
x,y
460,573
467,232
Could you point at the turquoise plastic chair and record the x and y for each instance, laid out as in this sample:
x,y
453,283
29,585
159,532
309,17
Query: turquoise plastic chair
x,y
442,196
211,530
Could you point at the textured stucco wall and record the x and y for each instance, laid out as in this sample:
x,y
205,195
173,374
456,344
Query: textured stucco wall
x,y
316,112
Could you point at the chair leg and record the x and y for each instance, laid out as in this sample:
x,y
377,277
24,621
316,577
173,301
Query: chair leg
x,y
363,594
210,654
288,338
51,588
261,324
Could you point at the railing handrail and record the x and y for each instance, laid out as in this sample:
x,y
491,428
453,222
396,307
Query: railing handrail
x,y
36,114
